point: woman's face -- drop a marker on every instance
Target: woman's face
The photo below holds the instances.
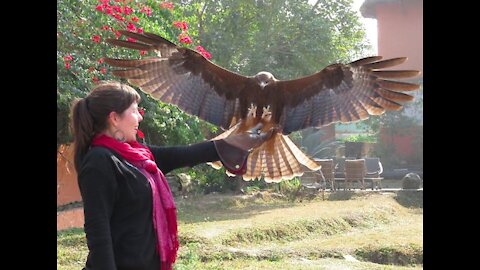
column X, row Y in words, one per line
column 128, row 121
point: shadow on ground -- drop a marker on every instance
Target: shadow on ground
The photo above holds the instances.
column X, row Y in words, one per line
column 341, row 195
column 410, row 198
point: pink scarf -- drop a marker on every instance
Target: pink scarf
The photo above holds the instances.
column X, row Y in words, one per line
column 164, row 210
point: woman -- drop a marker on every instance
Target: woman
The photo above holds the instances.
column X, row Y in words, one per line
column 130, row 215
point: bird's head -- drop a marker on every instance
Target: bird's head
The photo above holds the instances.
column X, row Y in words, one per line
column 264, row 78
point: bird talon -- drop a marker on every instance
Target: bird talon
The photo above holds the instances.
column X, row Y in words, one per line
column 266, row 111
column 252, row 111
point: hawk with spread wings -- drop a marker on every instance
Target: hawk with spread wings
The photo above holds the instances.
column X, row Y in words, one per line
column 338, row 93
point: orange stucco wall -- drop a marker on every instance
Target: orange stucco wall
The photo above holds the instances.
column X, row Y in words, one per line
column 68, row 219
column 400, row 32
column 67, row 187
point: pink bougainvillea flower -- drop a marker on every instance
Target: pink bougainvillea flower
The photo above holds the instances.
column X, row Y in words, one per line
column 166, row 5
column 99, row 8
column 108, row 10
column 95, row 79
column 203, row 52
column 142, row 53
column 103, row 70
column 131, row 27
column 206, row 55
column 181, row 25
column 67, row 65
column 118, row 17
column 134, row 19
column 96, row 39
column 139, row 30
column 117, row 9
column 131, row 40
column 106, row 27
column 146, row 10
column 101, row 60
column 127, row 10
column 184, row 39
column 67, row 58
column 118, row 34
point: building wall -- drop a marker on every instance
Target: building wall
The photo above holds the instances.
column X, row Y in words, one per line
column 400, row 32
column 329, row 133
column 407, row 145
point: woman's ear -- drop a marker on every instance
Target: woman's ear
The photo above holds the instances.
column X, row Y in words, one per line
column 113, row 118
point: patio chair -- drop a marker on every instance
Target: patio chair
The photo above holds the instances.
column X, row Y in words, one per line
column 328, row 171
column 313, row 180
column 312, row 183
column 374, row 170
column 354, row 171
column 340, row 167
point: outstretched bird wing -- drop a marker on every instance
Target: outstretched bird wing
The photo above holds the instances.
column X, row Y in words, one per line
column 183, row 77
column 338, row 93
column 344, row 93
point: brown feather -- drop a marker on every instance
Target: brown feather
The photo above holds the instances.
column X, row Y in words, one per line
column 128, row 73
column 291, row 168
column 386, row 63
column 299, row 155
column 130, row 45
column 257, row 165
column 398, row 86
column 280, row 163
column 128, row 63
column 142, row 37
column 395, row 74
column 344, row 93
column 387, row 104
column 394, row 96
column 253, row 168
column 365, row 60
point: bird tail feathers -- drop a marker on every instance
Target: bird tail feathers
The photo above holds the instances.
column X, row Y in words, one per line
column 276, row 160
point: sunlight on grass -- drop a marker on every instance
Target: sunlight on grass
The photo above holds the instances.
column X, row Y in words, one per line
column 305, row 264
column 345, row 231
column 71, row 249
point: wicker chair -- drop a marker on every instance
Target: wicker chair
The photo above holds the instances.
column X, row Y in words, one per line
column 354, row 171
column 328, row 171
column 374, row 170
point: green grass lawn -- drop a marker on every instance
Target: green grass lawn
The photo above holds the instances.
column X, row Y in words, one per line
column 347, row 230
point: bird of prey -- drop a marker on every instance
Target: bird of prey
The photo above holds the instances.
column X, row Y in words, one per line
column 338, row 93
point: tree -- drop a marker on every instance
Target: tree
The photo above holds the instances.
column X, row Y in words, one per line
column 288, row 38
column 81, row 29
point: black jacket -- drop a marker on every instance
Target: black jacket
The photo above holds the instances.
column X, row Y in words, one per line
column 117, row 201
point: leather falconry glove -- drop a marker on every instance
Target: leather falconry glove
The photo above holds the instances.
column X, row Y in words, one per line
column 234, row 149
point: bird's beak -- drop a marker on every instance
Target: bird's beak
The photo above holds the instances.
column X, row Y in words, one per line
column 263, row 84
